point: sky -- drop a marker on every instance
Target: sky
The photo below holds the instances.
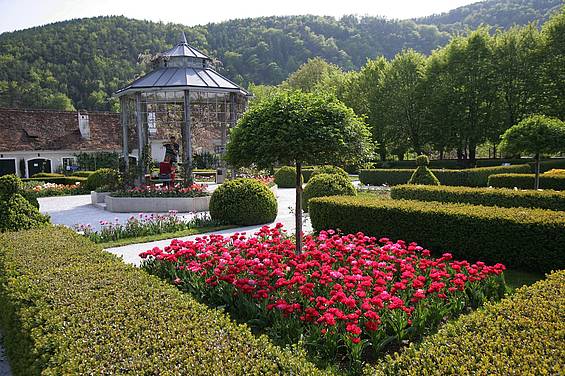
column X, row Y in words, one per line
column 22, row 14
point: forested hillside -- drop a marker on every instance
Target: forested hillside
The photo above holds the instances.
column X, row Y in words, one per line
column 496, row 13
column 80, row 63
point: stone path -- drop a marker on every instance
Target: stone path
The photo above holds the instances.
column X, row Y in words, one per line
column 71, row 210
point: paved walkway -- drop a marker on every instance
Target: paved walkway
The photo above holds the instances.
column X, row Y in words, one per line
column 71, row 210
column 4, row 365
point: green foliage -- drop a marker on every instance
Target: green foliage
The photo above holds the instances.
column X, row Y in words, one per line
column 47, row 175
column 285, row 177
column 9, row 185
column 423, row 175
column 526, row 181
column 314, row 75
column 307, row 174
column 508, row 198
column 70, row 308
column 83, row 174
column 104, row 178
column 16, row 212
column 243, row 202
column 521, row 334
column 95, row 161
column 31, row 197
column 536, row 134
column 292, row 127
column 328, row 169
column 475, row 177
column 422, row 160
column 531, row 239
column 327, row 185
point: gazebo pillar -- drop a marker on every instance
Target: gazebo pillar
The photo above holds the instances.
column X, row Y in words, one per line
column 186, row 133
column 140, row 139
column 233, row 120
column 125, row 133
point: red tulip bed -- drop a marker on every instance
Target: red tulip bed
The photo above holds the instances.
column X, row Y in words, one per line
column 346, row 298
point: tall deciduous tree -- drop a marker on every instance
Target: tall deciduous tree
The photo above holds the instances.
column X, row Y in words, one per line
column 298, row 128
column 402, row 86
column 536, row 135
column 314, row 75
column 553, row 66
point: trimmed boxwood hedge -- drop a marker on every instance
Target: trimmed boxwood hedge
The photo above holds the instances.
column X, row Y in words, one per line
column 285, row 177
column 526, row 181
column 532, row 239
column 69, row 308
column 474, row 177
column 509, row 198
column 522, row 334
column 243, row 202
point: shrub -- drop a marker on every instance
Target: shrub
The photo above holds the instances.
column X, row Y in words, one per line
column 478, row 177
column 331, row 170
column 549, row 164
column 243, row 202
column 69, row 308
column 327, row 185
column 47, row 175
column 17, row 213
column 105, row 178
column 307, row 174
column 522, row 334
column 526, row 181
column 528, row 238
column 31, row 197
column 508, row 198
column 83, row 174
column 475, row 177
column 422, row 175
column 285, row 177
column 411, row 164
column 9, row 185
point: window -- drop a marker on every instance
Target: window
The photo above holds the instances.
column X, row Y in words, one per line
column 69, row 163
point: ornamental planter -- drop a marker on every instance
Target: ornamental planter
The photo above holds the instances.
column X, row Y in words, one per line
column 156, row 204
column 98, row 197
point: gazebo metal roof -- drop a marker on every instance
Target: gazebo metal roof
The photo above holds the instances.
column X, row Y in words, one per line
column 183, row 67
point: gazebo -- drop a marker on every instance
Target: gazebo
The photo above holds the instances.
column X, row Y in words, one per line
column 183, row 91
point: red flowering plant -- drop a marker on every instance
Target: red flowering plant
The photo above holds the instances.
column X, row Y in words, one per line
column 345, row 296
column 178, row 190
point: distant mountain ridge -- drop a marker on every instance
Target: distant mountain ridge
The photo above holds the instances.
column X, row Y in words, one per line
column 80, row 63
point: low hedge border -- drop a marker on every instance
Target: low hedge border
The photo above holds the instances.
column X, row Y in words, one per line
column 474, row 177
column 531, row 239
column 67, row 307
column 508, row 198
column 526, row 181
column 522, row 334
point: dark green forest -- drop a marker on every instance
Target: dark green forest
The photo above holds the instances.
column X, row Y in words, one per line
column 80, row 63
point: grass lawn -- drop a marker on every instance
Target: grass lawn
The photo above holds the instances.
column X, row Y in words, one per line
column 166, row 235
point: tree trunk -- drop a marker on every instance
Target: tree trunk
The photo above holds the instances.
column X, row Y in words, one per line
column 472, row 154
column 298, row 207
column 536, row 184
column 441, row 154
column 494, row 151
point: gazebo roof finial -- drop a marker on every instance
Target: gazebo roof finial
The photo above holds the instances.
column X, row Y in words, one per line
column 183, row 40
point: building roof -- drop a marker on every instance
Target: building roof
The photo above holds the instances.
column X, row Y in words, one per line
column 184, row 49
column 180, row 68
column 30, row 130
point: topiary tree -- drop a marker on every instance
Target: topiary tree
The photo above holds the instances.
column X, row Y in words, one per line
column 298, row 128
column 538, row 135
column 243, row 202
column 327, row 185
column 106, row 178
column 328, row 169
column 423, row 175
column 285, row 177
column 17, row 213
